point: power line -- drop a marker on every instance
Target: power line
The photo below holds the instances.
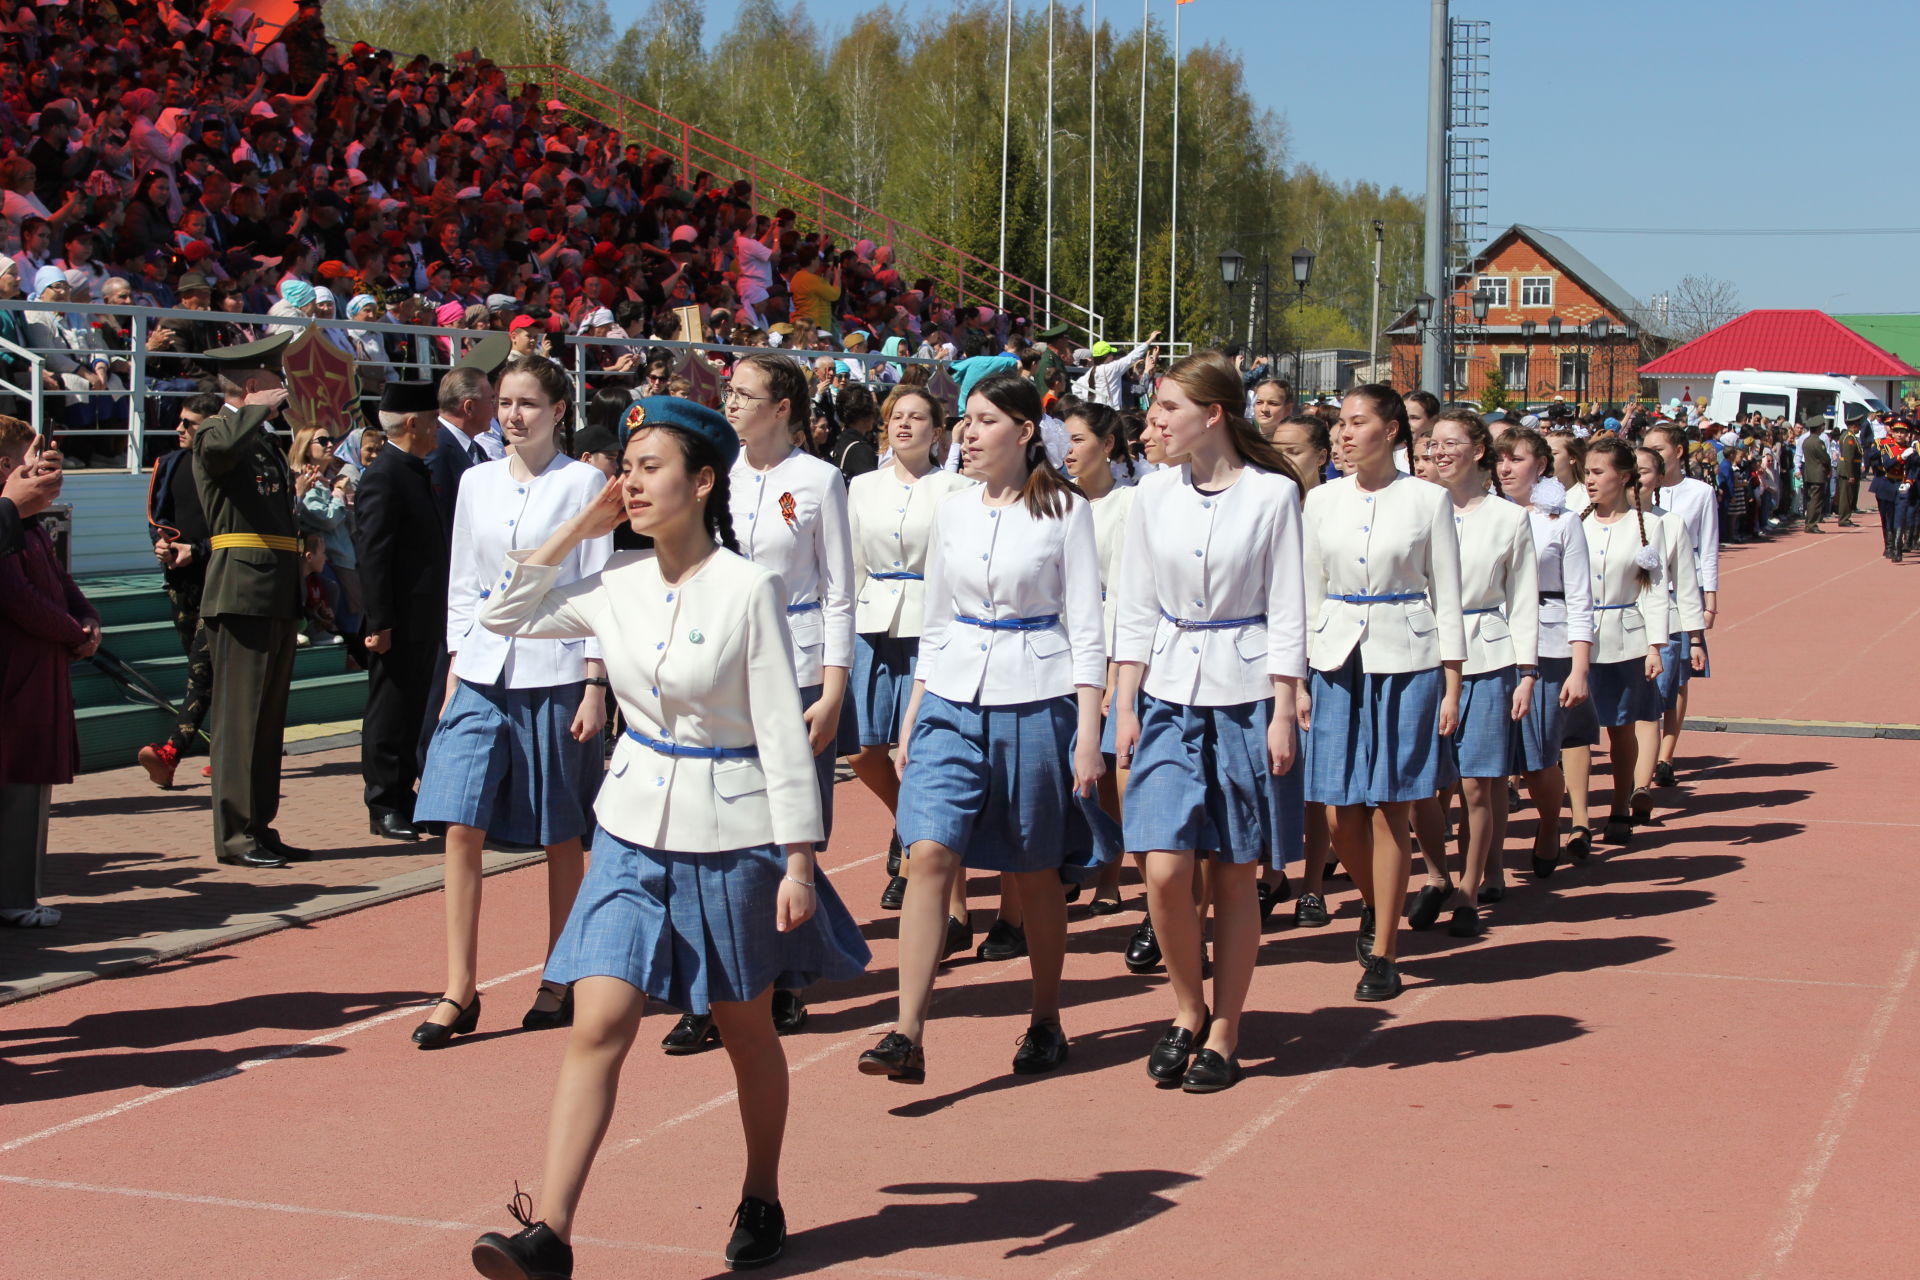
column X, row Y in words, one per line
column 1738, row 231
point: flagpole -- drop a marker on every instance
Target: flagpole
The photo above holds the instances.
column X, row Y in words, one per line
column 1006, row 120
column 1093, row 143
column 1140, row 172
column 1048, row 307
column 1173, row 206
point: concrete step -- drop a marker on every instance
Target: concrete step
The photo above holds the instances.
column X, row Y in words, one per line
column 111, row 736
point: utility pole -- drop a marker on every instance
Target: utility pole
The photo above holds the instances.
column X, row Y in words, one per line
column 1373, row 331
column 1433, row 262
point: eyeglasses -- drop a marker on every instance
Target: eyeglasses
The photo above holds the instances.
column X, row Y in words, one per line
column 737, row 396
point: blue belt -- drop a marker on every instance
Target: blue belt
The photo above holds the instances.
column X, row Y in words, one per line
column 1492, row 608
column 1398, row 597
column 808, row 607
column 1043, row 623
column 895, row 577
column 1214, row 624
column 694, row 753
column 1601, row 607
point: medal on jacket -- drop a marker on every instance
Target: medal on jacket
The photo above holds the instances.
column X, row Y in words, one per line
column 787, row 510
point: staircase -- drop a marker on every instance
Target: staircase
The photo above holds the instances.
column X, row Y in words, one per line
column 138, row 629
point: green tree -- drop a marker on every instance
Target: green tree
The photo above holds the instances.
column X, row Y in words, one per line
column 1494, row 393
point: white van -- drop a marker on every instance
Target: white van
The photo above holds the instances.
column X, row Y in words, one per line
column 1792, row 396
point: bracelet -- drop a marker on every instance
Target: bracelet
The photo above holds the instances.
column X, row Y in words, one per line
column 599, row 682
column 804, row 884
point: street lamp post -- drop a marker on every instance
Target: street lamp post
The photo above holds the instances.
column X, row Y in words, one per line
column 1232, row 264
column 1600, row 330
column 1632, row 335
column 1302, row 273
column 1423, row 311
column 1527, row 329
column 1482, row 303
column 1553, row 347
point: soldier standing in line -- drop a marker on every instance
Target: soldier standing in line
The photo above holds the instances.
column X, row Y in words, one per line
column 251, row 602
column 1847, row 494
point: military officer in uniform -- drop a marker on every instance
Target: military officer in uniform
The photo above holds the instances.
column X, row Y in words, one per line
column 251, row 601
column 1847, row 491
column 1816, row 466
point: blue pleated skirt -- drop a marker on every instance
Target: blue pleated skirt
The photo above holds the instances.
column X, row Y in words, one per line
column 995, row 784
column 1375, row 738
column 846, row 742
column 1487, row 744
column 1201, row 781
column 1673, row 670
column 1109, row 729
column 882, row 682
column 1622, row 693
column 503, row 760
column 692, row 929
column 1544, row 729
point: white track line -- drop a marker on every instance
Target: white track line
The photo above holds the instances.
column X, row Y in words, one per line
column 1238, row 1141
column 1827, row 1141
column 227, row 1073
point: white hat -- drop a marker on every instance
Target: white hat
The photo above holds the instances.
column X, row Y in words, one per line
column 264, row 110
column 595, row 318
column 685, row 233
column 355, row 178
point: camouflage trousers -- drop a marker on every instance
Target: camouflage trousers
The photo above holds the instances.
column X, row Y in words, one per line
column 188, row 737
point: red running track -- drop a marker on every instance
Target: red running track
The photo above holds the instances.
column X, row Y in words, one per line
column 1695, row 1059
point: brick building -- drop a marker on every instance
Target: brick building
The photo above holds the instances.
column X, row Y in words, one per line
column 1536, row 284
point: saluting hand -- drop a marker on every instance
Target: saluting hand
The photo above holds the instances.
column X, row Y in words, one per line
column 270, row 400
column 607, row 511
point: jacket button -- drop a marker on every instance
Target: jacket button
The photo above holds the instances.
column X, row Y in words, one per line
column 983, row 647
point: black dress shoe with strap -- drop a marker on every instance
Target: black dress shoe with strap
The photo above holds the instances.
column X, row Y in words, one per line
column 693, row 1033
column 1579, row 844
column 538, row 1019
column 1211, row 1072
column 1003, row 942
column 759, row 1234
column 1310, row 912
column 894, row 896
column 532, row 1253
column 1168, row 1061
column 897, row 1058
column 1426, row 907
column 1143, row 949
column 959, row 936
column 1042, row 1049
column 435, row 1035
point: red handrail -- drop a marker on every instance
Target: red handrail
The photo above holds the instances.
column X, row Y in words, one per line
column 975, row 280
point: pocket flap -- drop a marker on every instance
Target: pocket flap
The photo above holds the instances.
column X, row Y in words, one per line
column 735, row 778
column 1045, row 644
column 1493, row 627
column 809, row 629
column 1631, row 620
column 1553, row 611
column 1251, row 643
column 1421, row 620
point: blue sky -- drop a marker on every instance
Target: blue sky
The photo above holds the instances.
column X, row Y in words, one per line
column 1702, row 114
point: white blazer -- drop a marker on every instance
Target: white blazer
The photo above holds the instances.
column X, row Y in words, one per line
column 1197, row 557
column 792, row 519
column 891, row 522
column 1686, row 606
column 1629, row 617
column 496, row 514
column 1110, row 535
column 1003, row 563
column 704, row 664
column 1399, row 540
column 1698, row 507
column 1499, row 586
column 1560, row 554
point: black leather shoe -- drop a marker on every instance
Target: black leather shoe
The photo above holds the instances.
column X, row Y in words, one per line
column 959, row 936
column 1640, row 804
column 1426, row 906
column 894, row 895
column 1494, row 888
column 693, row 1033
column 1381, row 981
column 1363, row 941
column 897, row 1058
column 538, row 1019
column 1543, row 868
column 1003, row 942
column 391, row 826
column 273, row 844
column 1168, row 1061
column 1210, row 1073
column 532, row 1253
column 1100, row 906
column 1465, row 923
column 759, row 1235
column 1272, row 895
column 254, row 857
column 1618, row 831
column 1579, row 844
column 1041, row 1050
column 789, row 1012
column 1143, row 949
column 1663, row 773
column 893, row 855
column 436, row 1035
column 1310, row 912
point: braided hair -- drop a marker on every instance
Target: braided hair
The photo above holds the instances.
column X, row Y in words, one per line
column 1620, row 454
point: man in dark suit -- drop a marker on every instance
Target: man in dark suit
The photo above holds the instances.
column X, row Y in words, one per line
column 467, row 403
column 1816, row 467
column 402, row 550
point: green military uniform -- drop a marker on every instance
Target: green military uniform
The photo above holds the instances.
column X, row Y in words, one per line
column 251, row 607
column 1049, row 361
column 1816, row 467
column 1847, row 488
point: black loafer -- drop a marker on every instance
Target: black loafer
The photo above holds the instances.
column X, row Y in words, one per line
column 1003, row 942
column 538, row 1019
column 1465, row 923
column 1210, row 1073
column 532, row 1253
column 959, row 936
column 789, row 1012
column 1272, row 895
column 435, row 1035
column 1042, row 1049
column 1426, row 906
column 1363, row 941
column 894, row 895
column 893, row 855
column 1100, row 906
column 391, row 826
column 759, row 1235
column 897, row 1058
column 254, row 857
column 1381, row 981
column 1579, row 844
column 1618, row 831
column 1640, row 804
column 693, row 1033
column 1494, row 890
column 1543, row 868
column 1143, row 949
column 1168, row 1061
column 1310, row 912
column 1663, row 773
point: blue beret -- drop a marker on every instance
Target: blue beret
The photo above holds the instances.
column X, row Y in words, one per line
column 686, row 415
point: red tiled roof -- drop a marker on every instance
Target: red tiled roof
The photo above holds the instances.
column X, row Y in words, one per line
column 1783, row 342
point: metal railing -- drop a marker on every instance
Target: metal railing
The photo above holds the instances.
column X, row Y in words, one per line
column 974, row 280
column 140, row 390
column 35, row 365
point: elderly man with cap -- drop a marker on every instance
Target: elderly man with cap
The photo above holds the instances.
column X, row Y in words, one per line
column 1103, row 379
column 252, row 599
column 402, row 548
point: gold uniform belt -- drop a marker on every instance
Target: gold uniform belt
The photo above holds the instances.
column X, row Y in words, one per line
column 257, row 541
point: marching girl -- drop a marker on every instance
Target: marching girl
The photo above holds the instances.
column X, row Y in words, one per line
column 1305, row 442
column 1500, row 603
column 1696, row 505
column 1624, row 549
column 890, row 513
column 1096, row 451
column 1002, row 732
column 789, row 511
column 1386, row 644
column 1566, row 628
column 516, row 753
column 1211, row 608
column 1686, row 648
column 703, row 891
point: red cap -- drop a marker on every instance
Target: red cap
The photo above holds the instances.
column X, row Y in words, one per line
column 521, row 322
column 537, row 236
column 196, row 250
